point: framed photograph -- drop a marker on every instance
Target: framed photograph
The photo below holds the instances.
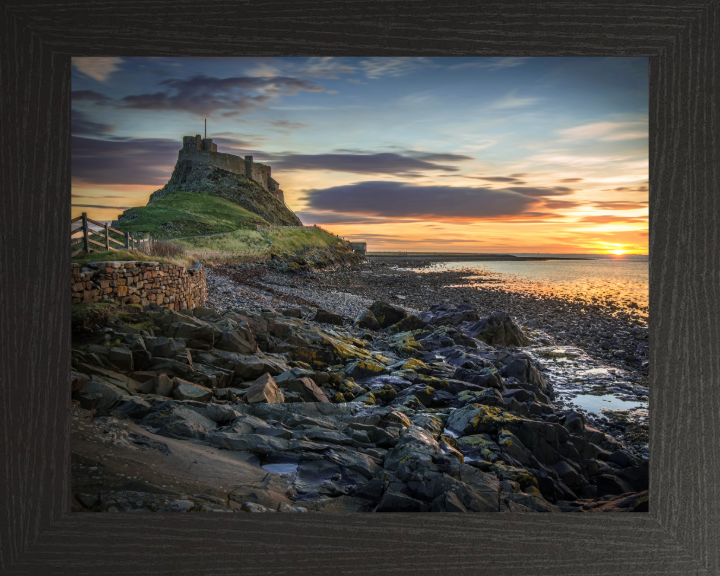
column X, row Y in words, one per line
column 392, row 309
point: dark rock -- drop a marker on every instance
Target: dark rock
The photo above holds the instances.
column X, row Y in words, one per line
column 307, row 388
column 574, row 423
column 87, row 500
column 567, row 473
column 498, row 329
column 410, row 322
column 366, row 319
column 609, row 484
column 78, row 381
column 325, row 317
column 524, row 370
column 373, row 490
column 134, row 407
column 88, row 401
column 398, row 502
column 387, row 314
column 179, row 422
column 444, row 314
column 622, row 458
column 292, row 312
column 122, row 358
column 162, row 385
column 487, row 377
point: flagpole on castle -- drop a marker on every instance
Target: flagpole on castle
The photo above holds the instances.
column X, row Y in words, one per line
column 205, row 128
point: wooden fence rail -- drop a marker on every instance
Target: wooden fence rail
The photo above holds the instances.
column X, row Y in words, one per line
column 102, row 238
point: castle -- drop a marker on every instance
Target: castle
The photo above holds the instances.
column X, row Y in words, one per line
column 203, row 150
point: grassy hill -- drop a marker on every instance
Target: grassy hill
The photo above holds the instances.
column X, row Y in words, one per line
column 279, row 243
column 187, row 214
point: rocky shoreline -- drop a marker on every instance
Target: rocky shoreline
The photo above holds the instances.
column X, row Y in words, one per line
column 365, row 388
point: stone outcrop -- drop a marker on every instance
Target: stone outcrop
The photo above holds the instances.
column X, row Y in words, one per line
column 316, row 418
column 169, row 285
column 224, row 175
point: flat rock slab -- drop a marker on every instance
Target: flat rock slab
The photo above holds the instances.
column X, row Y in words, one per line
column 138, row 460
column 185, row 390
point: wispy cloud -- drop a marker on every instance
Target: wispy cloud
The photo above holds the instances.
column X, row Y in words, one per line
column 512, row 101
column 204, row 95
column 81, row 125
column 570, row 160
column 605, row 131
column 131, row 161
column 97, row 68
column 379, row 67
column 382, row 163
column 492, row 63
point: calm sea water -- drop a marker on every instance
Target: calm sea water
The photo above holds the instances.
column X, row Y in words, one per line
column 621, row 279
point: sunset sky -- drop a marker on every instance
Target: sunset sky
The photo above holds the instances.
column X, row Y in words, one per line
column 417, row 154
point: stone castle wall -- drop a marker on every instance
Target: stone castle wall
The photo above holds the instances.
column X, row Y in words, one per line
column 260, row 173
column 168, row 285
column 228, row 162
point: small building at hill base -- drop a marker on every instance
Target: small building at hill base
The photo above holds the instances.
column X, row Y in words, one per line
column 359, row 247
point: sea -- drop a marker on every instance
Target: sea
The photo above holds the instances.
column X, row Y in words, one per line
column 620, row 280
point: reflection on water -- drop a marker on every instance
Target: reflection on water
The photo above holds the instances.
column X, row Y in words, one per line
column 595, row 404
column 618, row 280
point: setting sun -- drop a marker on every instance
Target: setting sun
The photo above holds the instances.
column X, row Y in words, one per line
column 617, row 252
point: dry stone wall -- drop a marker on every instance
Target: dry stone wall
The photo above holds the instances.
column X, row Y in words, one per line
column 168, row 285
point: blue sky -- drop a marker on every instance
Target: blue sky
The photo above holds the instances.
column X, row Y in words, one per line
column 467, row 154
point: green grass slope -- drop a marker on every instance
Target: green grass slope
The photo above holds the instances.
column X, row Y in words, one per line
column 187, row 214
column 282, row 242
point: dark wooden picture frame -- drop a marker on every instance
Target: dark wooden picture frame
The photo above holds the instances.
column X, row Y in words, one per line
column 680, row 535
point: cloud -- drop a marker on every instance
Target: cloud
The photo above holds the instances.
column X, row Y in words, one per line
column 98, row 206
column 326, row 67
column 568, row 180
column 538, row 192
column 560, row 204
column 620, row 205
column 438, row 157
column 146, row 161
column 97, row 68
column 627, row 189
column 495, row 178
column 379, row 67
column 204, row 95
column 381, row 163
column 81, row 125
column 512, row 101
column 492, row 63
column 286, row 125
column 614, row 219
column 310, row 218
column 401, row 200
column 606, row 131
column 89, row 96
column 569, row 160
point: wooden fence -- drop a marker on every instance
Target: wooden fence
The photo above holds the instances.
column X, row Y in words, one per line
column 103, row 240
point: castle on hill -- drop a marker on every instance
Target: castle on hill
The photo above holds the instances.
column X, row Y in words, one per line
column 200, row 150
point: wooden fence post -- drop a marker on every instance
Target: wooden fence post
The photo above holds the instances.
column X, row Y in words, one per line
column 85, row 232
column 127, row 240
column 107, row 238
